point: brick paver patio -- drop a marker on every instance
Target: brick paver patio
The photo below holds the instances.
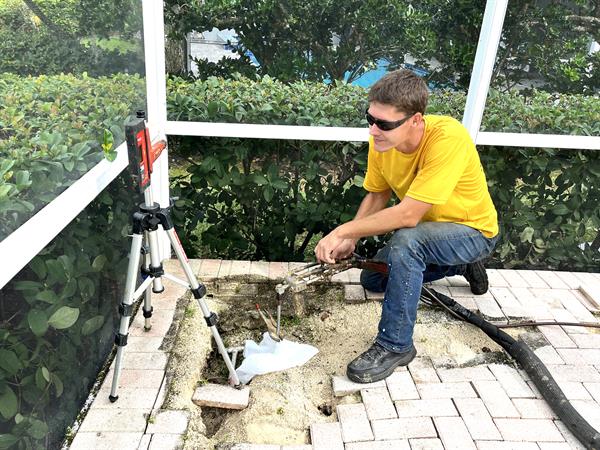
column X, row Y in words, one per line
column 490, row 406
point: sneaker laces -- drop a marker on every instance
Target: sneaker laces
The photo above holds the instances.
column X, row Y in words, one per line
column 374, row 352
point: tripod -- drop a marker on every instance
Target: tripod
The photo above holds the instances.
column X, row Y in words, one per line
column 146, row 223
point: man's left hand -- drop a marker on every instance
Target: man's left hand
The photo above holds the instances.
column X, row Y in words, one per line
column 332, row 247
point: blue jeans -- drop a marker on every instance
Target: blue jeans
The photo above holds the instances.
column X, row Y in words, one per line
column 428, row 252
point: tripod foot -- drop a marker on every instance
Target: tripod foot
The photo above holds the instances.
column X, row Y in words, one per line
column 113, row 398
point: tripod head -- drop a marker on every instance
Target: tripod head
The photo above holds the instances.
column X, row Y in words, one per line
column 142, row 153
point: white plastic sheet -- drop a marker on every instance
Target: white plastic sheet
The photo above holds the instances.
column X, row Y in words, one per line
column 271, row 356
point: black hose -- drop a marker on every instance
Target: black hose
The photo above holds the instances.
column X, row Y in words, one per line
column 534, row 367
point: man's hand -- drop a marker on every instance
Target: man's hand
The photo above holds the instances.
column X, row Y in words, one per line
column 332, row 247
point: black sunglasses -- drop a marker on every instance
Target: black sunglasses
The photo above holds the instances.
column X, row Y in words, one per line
column 384, row 125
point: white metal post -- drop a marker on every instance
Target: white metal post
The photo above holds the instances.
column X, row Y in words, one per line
column 156, row 97
column 483, row 67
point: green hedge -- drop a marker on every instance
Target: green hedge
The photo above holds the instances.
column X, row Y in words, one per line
column 51, row 132
column 57, row 316
column 268, row 198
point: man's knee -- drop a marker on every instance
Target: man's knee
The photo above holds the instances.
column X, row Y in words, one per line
column 373, row 281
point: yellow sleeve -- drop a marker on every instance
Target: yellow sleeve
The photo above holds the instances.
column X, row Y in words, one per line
column 374, row 181
column 444, row 163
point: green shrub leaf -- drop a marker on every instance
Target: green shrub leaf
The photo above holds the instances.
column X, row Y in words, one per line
column 92, row 325
column 38, row 321
column 10, row 362
column 64, row 317
column 8, row 403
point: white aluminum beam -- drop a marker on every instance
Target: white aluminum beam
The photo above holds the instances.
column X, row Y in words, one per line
column 29, row 239
column 538, row 140
column 240, row 130
column 156, row 98
column 483, row 67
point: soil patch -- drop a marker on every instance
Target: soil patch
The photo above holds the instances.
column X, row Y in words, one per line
column 283, row 405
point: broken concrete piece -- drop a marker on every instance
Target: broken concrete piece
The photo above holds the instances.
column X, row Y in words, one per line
column 219, row 396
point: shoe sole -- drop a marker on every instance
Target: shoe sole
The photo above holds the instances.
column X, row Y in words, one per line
column 368, row 378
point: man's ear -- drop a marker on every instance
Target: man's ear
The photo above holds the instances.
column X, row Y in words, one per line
column 417, row 118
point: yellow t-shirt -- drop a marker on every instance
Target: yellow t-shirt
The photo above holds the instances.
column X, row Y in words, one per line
column 445, row 171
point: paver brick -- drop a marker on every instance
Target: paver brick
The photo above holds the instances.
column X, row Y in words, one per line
column 590, row 410
column 489, row 308
column 129, row 398
column 461, row 291
column 422, row 371
column 238, row 268
column 574, row 390
column 343, row 386
column 574, row 306
column 514, row 278
column 220, row 396
column 106, row 440
column 209, row 269
column 371, row 295
column 406, row 428
column 278, row 270
column 579, row 356
column 495, row 398
column 562, row 315
column 477, row 419
column 144, row 442
column 326, row 436
column 548, row 355
column 453, row 433
column 557, row 337
column 135, row 378
column 378, row 403
column 401, row 386
column 224, row 268
column 496, row 279
column 511, row 381
column 426, row 408
column 354, row 275
column 161, row 441
column 532, row 278
column 585, row 301
column 506, row 445
column 552, row 279
column 588, row 340
column 426, row 444
column 259, row 268
column 554, row 446
column 533, row 408
column 101, row 419
column 508, row 302
column 592, row 293
column 446, row 390
column 354, row 293
column 354, row 423
column 569, row 279
column 297, row 447
column 594, row 390
column 142, row 344
column 532, row 305
column 529, row 430
column 571, row 440
column 160, row 323
column 168, row 421
column 547, row 297
column 563, row 372
column 465, row 374
column 457, row 281
column 395, row 444
column 257, row 447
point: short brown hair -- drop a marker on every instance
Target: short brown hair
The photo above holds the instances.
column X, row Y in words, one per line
column 402, row 89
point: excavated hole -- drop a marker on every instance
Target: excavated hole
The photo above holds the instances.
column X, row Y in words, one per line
column 284, row 404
